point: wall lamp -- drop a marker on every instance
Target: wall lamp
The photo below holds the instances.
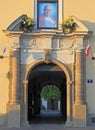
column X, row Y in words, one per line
column 93, row 56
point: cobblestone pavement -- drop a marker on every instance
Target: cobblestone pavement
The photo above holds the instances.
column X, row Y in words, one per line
column 48, row 127
column 46, row 122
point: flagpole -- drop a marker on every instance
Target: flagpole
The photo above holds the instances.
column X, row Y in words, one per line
column 4, row 50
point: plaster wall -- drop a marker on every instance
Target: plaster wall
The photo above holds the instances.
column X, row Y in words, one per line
column 3, row 89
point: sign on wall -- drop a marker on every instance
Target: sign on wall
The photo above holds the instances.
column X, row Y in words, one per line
column 89, row 80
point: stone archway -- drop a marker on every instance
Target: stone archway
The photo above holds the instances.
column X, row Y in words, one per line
column 75, row 92
column 66, row 71
column 40, row 75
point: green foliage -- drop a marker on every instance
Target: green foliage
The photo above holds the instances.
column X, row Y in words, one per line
column 69, row 23
column 27, row 24
column 50, row 91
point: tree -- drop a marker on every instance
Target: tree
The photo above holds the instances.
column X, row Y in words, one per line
column 50, row 92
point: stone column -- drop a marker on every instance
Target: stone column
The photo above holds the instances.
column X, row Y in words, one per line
column 69, row 103
column 13, row 106
column 80, row 90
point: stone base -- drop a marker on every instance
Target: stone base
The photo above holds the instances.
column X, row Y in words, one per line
column 69, row 124
column 25, row 124
column 13, row 116
column 80, row 115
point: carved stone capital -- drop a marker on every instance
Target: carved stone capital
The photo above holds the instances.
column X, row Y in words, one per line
column 71, row 82
column 25, row 82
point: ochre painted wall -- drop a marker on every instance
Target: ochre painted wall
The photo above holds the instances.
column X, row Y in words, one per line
column 9, row 11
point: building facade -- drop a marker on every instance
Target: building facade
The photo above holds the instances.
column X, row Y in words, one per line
column 44, row 56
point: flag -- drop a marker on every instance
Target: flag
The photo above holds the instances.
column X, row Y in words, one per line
column 4, row 49
column 87, row 50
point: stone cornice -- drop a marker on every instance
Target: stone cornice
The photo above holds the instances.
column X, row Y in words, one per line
column 49, row 33
column 13, row 33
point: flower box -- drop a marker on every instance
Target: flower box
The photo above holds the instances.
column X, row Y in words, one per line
column 27, row 24
column 68, row 25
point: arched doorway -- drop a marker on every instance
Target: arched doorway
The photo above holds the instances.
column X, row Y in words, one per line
column 40, row 76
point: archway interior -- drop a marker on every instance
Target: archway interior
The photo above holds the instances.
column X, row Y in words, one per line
column 47, row 78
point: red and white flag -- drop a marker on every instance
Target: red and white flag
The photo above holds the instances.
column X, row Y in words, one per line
column 87, row 50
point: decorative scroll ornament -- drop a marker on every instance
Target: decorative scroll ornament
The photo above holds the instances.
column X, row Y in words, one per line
column 26, row 43
column 32, row 43
column 66, row 43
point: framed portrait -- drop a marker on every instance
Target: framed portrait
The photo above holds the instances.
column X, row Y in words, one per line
column 47, row 14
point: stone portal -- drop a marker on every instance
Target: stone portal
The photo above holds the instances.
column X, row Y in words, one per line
column 31, row 57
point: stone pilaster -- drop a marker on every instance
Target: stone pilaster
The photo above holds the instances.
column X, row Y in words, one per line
column 80, row 110
column 14, row 83
column 80, row 84
column 13, row 106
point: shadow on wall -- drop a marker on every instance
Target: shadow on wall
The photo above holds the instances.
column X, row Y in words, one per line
column 89, row 25
column 90, row 40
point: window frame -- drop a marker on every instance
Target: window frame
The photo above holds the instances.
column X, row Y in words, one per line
column 47, row 2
